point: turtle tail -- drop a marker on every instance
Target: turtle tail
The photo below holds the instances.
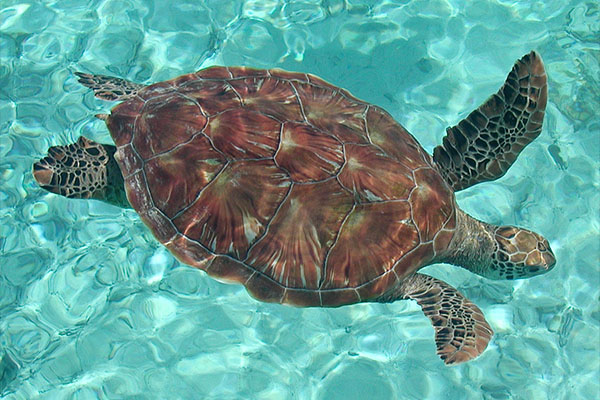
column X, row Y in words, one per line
column 82, row 170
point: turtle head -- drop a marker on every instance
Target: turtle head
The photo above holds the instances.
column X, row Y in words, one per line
column 519, row 253
column 498, row 252
column 82, row 170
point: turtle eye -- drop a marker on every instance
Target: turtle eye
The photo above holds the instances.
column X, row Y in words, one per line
column 542, row 247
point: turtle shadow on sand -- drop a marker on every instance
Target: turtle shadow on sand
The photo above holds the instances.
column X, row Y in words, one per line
column 307, row 195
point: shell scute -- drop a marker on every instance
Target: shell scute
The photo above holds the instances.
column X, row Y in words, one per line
column 373, row 176
column 308, row 154
column 166, row 122
column 235, row 207
column 129, row 159
column 393, row 138
column 432, row 203
column 216, row 72
column 264, row 288
column 161, row 226
column 242, row 72
column 294, row 248
column 410, row 262
column 380, row 284
column 334, row 298
column 268, row 95
column 190, row 252
column 121, row 121
column 156, row 90
column 331, row 112
column 242, row 134
column 229, row 270
column 387, row 234
column 176, row 177
column 137, row 191
column 288, row 75
column 301, row 297
column 141, row 200
column 182, row 80
column 213, row 96
column 443, row 238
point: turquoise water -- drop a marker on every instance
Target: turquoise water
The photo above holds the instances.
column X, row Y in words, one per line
column 92, row 307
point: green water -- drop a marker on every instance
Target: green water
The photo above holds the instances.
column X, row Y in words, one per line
column 92, row 307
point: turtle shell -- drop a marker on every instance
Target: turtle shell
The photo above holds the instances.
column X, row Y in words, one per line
column 282, row 182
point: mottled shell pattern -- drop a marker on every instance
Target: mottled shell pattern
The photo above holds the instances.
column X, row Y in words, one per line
column 281, row 182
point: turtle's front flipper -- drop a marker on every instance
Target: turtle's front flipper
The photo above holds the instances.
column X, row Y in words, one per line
column 109, row 87
column 82, row 170
column 485, row 144
column 461, row 331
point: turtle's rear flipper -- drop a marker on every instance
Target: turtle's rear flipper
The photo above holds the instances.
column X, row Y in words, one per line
column 485, row 144
column 109, row 87
column 461, row 331
column 82, row 170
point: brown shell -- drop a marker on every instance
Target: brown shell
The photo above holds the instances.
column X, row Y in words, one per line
column 282, row 182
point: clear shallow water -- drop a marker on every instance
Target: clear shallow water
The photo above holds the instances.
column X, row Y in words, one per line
column 92, row 307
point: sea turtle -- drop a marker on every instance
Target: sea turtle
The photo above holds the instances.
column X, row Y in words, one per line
column 307, row 195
